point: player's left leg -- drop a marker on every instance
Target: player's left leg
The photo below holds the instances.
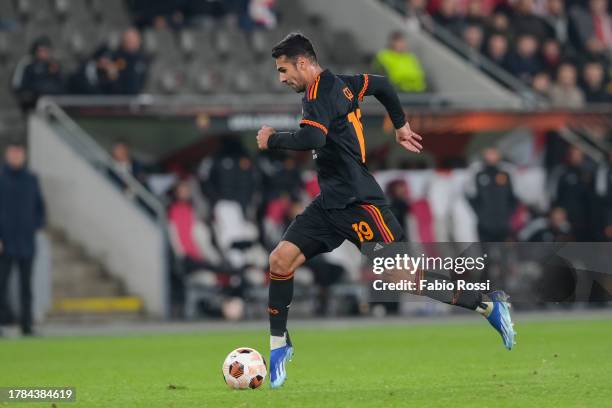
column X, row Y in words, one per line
column 370, row 223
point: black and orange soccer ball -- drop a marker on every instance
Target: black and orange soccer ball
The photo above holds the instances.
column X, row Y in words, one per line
column 244, row 368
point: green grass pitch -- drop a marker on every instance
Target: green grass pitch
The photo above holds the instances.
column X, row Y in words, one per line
column 555, row 364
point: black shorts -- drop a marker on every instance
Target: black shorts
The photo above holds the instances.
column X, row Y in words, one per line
column 318, row 230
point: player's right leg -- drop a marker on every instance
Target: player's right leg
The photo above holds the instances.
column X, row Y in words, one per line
column 285, row 258
column 309, row 234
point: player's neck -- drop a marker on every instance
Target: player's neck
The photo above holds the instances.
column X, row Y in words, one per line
column 314, row 74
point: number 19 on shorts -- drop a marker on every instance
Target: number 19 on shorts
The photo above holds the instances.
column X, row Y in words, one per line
column 363, row 230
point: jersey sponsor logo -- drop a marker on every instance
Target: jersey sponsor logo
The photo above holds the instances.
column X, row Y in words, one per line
column 347, row 92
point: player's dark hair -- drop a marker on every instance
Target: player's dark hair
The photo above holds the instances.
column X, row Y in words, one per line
column 294, row 45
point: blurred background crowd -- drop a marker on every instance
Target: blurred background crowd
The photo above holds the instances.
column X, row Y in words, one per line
column 225, row 206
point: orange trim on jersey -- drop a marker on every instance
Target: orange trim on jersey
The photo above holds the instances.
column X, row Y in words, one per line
column 382, row 220
column 366, row 81
column 375, row 218
column 311, row 93
column 316, row 88
column 315, row 124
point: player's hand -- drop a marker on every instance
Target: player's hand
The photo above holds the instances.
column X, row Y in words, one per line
column 263, row 135
column 408, row 139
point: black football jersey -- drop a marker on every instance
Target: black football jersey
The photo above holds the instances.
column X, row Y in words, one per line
column 331, row 104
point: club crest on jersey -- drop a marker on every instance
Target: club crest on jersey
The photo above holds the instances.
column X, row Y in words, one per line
column 347, row 92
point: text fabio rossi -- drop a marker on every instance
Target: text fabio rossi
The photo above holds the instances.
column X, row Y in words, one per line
column 435, row 285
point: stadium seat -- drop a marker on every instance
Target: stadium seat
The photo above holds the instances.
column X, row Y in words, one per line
column 111, row 12
column 79, row 39
column 72, row 9
column 156, row 41
column 243, row 81
column 7, row 10
column 62, row 8
column 206, row 80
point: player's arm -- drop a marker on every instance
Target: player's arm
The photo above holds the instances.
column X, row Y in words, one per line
column 307, row 138
column 317, row 112
column 380, row 87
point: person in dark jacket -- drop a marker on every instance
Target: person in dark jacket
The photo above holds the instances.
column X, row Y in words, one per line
column 230, row 175
column 22, row 213
column 571, row 187
column 492, row 197
column 131, row 63
column 96, row 75
column 37, row 74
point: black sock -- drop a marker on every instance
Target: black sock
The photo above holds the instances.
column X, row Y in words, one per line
column 279, row 298
column 466, row 299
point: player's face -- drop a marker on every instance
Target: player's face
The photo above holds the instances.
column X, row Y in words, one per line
column 291, row 73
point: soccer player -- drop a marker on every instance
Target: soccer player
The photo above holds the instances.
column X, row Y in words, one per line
column 351, row 204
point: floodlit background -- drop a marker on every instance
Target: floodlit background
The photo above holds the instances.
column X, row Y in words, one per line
column 139, row 120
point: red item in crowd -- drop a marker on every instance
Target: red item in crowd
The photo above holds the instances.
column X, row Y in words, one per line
column 312, row 187
column 182, row 216
column 277, row 210
column 421, row 212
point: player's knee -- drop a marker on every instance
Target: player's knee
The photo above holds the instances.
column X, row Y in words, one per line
column 279, row 264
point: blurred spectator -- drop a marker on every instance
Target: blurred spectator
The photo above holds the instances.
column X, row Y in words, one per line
column 553, row 228
column 263, row 13
column 551, row 55
column 491, row 195
column 397, row 192
column 541, row 83
column 131, row 64
column 497, row 49
column 22, row 213
column 159, row 14
column 230, row 174
column 526, row 22
column 280, row 175
column 475, row 14
column 593, row 83
column 125, row 165
column 571, row 188
column 524, row 62
column 415, row 10
column 604, row 191
column 189, row 237
column 400, row 65
column 593, row 27
column 193, row 250
column 95, row 76
column 473, row 37
column 500, row 22
column 565, row 93
column 37, row 74
column 447, row 15
column 557, row 20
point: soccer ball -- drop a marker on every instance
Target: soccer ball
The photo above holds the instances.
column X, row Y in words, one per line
column 244, row 368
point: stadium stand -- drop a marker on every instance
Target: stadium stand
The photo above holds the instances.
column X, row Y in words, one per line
column 221, row 53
